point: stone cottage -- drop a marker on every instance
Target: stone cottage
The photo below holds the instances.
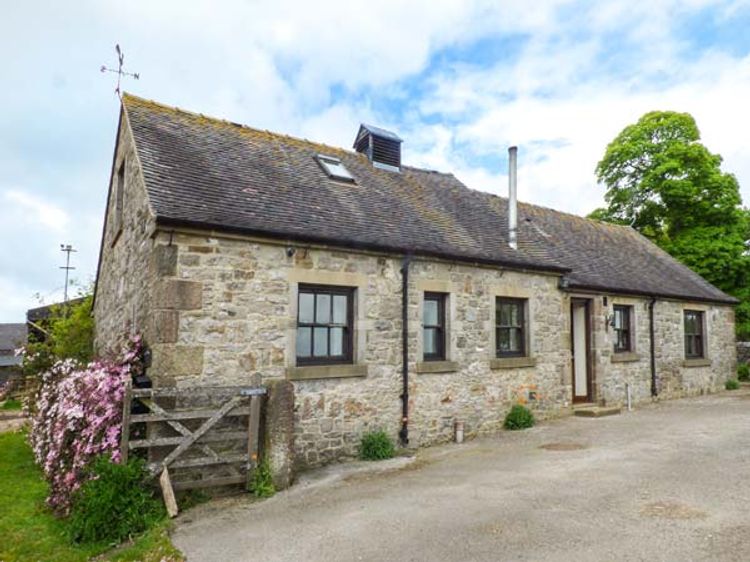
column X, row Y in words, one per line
column 392, row 297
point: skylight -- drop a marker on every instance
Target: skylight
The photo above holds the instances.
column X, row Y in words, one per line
column 334, row 168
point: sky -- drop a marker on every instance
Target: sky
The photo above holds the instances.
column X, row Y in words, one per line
column 458, row 80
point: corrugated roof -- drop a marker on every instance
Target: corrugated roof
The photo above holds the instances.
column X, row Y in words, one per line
column 211, row 173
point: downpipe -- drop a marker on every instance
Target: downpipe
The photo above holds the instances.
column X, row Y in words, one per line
column 652, row 302
column 403, row 434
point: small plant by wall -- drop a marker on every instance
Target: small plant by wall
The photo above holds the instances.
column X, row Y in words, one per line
column 261, row 483
column 743, row 372
column 519, row 417
column 376, row 446
column 732, row 384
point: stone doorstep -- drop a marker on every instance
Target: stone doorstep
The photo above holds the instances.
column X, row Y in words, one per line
column 596, row 411
column 10, row 415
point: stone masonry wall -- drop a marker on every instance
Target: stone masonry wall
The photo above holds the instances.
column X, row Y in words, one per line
column 223, row 309
column 675, row 376
column 244, row 323
column 123, row 296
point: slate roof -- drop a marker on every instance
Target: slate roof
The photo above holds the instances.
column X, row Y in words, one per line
column 12, row 336
column 209, row 173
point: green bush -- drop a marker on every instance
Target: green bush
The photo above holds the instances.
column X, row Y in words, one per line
column 743, row 372
column 376, row 446
column 732, row 384
column 519, row 417
column 261, row 483
column 114, row 505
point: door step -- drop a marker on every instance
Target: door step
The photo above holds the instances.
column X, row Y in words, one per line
column 597, row 411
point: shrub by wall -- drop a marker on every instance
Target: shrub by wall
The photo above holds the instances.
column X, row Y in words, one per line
column 76, row 417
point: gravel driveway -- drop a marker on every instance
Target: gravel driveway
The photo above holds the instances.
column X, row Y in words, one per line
column 666, row 482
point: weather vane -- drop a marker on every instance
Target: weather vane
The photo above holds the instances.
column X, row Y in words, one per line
column 120, row 72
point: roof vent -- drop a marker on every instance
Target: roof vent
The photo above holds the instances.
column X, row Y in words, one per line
column 382, row 147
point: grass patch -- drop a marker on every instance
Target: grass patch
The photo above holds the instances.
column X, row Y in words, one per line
column 11, row 404
column 29, row 531
column 743, row 372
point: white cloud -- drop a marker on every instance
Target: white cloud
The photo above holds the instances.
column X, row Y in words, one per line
column 36, row 211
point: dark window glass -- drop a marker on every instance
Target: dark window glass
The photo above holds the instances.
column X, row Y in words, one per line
column 324, row 325
column 433, row 326
column 119, row 198
column 510, row 327
column 623, row 330
column 694, row 339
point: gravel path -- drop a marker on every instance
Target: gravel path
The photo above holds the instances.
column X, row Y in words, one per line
column 661, row 483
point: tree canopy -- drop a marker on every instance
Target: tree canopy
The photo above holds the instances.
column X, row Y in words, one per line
column 665, row 183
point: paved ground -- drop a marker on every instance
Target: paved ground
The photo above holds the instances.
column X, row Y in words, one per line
column 662, row 483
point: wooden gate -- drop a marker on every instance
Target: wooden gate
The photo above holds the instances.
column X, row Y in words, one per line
column 213, row 432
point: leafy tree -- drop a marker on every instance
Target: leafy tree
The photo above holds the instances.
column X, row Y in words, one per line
column 68, row 334
column 666, row 184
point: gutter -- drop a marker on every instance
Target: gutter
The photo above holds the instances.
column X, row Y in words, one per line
column 651, row 304
column 573, row 288
column 355, row 245
column 403, row 434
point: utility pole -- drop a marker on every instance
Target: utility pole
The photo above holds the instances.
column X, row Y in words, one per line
column 68, row 249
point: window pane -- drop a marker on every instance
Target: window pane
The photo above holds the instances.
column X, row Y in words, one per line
column 320, row 342
column 503, row 340
column 699, row 345
column 306, row 302
column 514, row 316
column 323, row 309
column 430, row 315
column 504, row 314
column 618, row 319
column 337, row 341
column 430, row 341
column 514, row 340
column 303, row 342
column 339, row 309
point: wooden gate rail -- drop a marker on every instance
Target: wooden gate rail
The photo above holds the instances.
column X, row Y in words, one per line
column 237, row 402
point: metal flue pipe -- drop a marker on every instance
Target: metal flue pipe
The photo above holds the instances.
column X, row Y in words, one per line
column 513, row 197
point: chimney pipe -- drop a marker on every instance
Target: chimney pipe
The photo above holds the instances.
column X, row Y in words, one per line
column 513, row 197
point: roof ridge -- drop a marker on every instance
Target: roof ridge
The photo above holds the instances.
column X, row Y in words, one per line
column 227, row 122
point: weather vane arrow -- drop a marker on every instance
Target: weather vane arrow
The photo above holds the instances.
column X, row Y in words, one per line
column 120, row 71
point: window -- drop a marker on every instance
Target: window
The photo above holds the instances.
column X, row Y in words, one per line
column 433, row 326
column 324, row 325
column 622, row 326
column 510, row 327
column 334, row 168
column 694, row 341
column 119, row 197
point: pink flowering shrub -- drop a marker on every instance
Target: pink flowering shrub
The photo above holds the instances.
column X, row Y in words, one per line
column 77, row 416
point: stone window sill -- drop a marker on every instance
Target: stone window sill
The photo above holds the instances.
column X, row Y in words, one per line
column 702, row 362
column 625, row 357
column 437, row 367
column 512, row 362
column 316, row 372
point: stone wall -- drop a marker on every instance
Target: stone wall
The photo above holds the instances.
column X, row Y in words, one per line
column 675, row 376
column 244, row 323
column 123, row 295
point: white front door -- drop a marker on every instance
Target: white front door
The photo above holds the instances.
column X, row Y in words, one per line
column 580, row 337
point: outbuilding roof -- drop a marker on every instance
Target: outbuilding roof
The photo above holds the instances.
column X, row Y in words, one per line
column 209, row 173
